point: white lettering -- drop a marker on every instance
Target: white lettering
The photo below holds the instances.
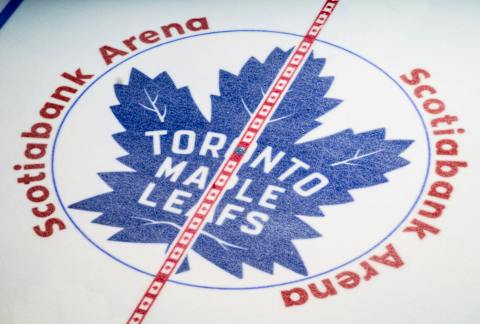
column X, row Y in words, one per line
column 297, row 164
column 199, row 177
column 257, row 221
column 269, row 195
column 157, row 147
column 173, row 201
column 299, row 186
column 241, row 193
column 266, row 156
column 213, row 148
column 177, row 142
column 168, row 170
column 227, row 213
column 146, row 194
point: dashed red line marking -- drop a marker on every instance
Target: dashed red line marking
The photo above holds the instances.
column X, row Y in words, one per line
column 212, row 196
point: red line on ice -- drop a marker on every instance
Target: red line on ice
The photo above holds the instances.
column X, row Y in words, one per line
column 211, row 197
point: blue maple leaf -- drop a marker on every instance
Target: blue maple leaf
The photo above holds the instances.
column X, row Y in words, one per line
column 293, row 178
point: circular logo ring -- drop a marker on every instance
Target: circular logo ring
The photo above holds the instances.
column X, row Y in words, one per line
column 389, row 234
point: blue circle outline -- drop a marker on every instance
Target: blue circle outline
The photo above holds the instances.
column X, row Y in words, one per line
column 236, row 31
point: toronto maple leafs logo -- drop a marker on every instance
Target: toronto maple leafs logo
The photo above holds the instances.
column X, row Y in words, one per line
column 174, row 151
